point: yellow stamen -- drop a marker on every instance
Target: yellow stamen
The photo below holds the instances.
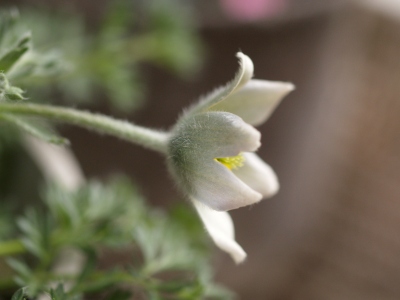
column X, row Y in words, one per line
column 232, row 162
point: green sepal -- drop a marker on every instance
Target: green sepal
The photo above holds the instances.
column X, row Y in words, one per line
column 14, row 94
column 9, row 58
column 9, row 92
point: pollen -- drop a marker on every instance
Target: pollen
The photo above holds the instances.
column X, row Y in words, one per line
column 232, row 162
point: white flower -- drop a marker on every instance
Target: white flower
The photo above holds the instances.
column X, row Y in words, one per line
column 211, row 152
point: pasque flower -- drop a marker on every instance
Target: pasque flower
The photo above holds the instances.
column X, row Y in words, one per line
column 211, row 152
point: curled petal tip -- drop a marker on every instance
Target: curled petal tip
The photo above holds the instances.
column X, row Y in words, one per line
column 247, row 68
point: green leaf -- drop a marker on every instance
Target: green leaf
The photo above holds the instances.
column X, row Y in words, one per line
column 10, row 57
column 58, row 293
column 34, row 128
column 182, row 287
column 19, row 295
column 90, row 266
column 169, row 261
column 20, row 267
column 36, row 228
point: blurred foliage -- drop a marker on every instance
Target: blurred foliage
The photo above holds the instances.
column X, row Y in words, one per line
column 168, row 255
column 85, row 64
column 15, row 47
column 6, row 222
column 18, row 59
column 67, row 61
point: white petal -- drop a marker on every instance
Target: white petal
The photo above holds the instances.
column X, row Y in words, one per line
column 246, row 70
column 258, row 175
column 193, row 147
column 220, row 227
column 243, row 75
column 217, row 187
column 256, row 101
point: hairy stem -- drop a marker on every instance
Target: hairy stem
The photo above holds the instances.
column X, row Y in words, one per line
column 148, row 138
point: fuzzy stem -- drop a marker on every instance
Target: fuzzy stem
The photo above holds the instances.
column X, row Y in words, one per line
column 148, row 138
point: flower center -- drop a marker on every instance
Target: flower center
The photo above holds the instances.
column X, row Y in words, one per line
column 232, row 162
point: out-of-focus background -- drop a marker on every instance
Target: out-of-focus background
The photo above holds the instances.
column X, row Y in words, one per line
column 333, row 231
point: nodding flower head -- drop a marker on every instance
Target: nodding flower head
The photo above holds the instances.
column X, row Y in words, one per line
column 211, row 152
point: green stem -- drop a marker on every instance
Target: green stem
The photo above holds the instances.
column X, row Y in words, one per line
column 148, row 138
column 11, row 248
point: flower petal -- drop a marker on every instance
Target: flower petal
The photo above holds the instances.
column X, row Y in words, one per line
column 195, row 144
column 258, row 175
column 243, row 75
column 256, row 101
column 220, row 227
column 216, row 186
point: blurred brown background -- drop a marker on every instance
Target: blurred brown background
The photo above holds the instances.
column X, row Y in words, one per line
column 333, row 231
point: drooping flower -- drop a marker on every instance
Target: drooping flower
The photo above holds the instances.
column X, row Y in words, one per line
column 211, row 152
